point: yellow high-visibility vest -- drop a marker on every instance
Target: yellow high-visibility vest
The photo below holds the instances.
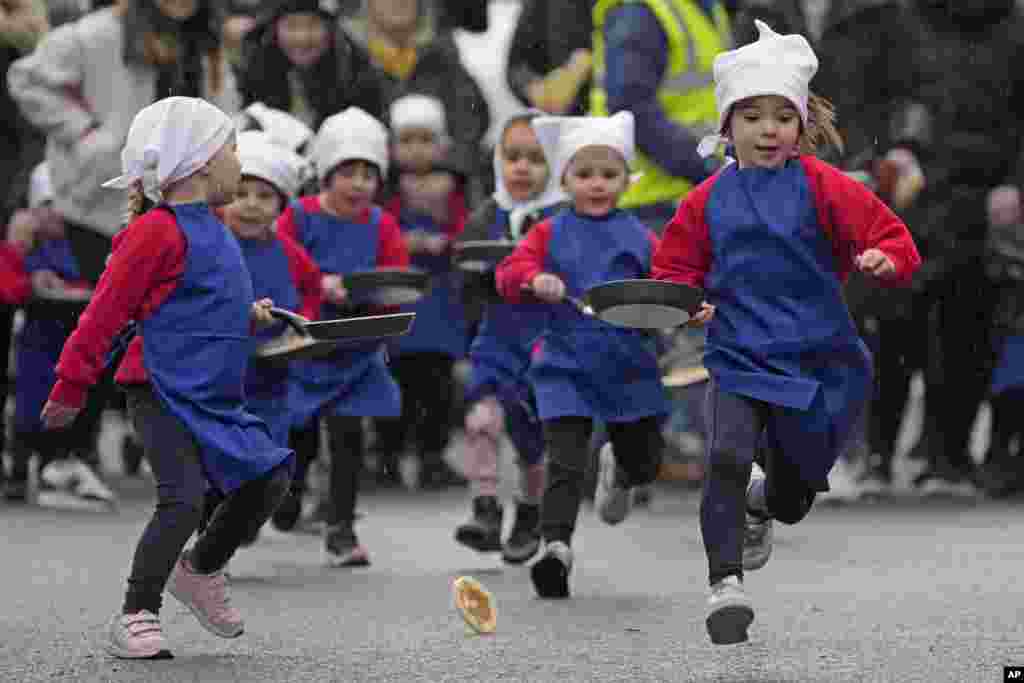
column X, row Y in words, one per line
column 687, row 91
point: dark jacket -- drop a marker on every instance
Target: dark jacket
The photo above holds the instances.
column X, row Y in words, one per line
column 546, row 35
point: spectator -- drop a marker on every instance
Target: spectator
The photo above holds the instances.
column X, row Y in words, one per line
column 298, row 61
column 404, row 42
column 549, row 59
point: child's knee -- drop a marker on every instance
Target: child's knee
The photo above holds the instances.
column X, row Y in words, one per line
column 791, row 509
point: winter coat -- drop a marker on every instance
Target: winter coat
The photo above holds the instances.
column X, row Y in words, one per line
column 545, row 37
column 78, row 79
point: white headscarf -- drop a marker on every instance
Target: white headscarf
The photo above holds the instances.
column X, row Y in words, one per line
column 563, row 136
column 40, row 187
column 772, row 65
column 518, row 210
column 351, row 134
column 170, row 140
column 285, row 129
column 418, row 111
column 262, row 158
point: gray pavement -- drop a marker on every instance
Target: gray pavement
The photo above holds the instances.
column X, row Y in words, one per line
column 907, row 590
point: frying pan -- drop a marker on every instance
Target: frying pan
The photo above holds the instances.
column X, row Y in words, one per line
column 308, row 340
column 480, row 255
column 387, row 286
column 61, row 302
column 639, row 304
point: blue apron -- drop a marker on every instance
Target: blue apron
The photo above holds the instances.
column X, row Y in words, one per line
column 440, row 318
column 354, row 380
column 1009, row 372
column 500, row 357
column 782, row 333
column 41, row 340
column 587, row 367
column 196, row 349
column 268, row 387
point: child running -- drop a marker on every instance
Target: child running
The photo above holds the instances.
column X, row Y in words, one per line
column 587, row 369
column 772, row 238
column 498, row 393
column 343, row 231
column 179, row 273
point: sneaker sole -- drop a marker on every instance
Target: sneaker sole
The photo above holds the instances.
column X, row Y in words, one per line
column 203, row 621
column 520, row 555
column 115, row 651
column 477, row 541
column 728, row 625
column 550, row 578
column 343, row 561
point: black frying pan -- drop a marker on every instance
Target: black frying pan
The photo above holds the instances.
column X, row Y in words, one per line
column 387, row 286
column 481, row 255
column 639, row 304
column 311, row 340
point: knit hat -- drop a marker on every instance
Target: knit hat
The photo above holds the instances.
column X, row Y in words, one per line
column 262, row 158
column 170, row 140
column 351, row 134
column 772, row 65
column 563, row 136
column 40, row 187
column 418, row 111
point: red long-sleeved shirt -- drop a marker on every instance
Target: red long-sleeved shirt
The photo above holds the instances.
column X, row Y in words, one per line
column 458, row 214
column 854, row 218
column 146, row 264
column 15, row 284
column 527, row 261
column 391, row 250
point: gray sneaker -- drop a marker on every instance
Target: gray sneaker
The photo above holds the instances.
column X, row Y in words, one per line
column 757, row 536
column 342, row 549
column 730, row 612
column 612, row 499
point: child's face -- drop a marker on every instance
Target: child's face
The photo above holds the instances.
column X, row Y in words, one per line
column 765, row 131
column 256, row 205
column 523, row 166
column 352, row 186
column 224, row 171
column 416, row 149
column 303, row 37
column 400, row 15
column 595, row 179
column 179, row 10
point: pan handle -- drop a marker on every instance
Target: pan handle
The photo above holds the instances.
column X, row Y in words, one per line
column 578, row 304
column 294, row 320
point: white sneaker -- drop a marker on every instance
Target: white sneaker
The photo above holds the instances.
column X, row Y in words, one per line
column 612, row 500
column 730, row 612
column 88, row 484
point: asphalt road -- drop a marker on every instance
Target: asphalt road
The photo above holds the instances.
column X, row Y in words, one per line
column 907, row 590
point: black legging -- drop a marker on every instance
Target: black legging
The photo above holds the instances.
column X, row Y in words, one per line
column 346, row 446
column 428, row 390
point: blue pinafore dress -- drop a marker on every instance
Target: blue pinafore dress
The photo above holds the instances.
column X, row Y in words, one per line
column 41, row 340
column 440, row 318
column 196, row 349
column 268, row 386
column 782, row 333
column 587, row 367
column 500, row 357
column 355, row 380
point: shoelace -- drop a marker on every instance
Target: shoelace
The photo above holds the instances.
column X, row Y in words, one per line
column 143, row 625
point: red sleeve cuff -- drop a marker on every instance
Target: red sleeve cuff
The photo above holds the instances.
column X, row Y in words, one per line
column 69, row 394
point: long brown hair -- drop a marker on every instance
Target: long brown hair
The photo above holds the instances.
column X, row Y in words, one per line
column 821, row 126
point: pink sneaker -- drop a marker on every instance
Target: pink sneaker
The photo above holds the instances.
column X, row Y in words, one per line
column 207, row 596
column 137, row 636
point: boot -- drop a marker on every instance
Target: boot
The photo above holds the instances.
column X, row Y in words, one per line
column 524, row 540
column 482, row 532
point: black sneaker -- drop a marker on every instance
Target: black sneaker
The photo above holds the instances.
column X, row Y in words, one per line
column 550, row 574
column 482, row 532
column 524, row 540
column 287, row 514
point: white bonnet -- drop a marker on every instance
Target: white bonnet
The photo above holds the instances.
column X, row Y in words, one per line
column 774, row 64
column 40, row 187
column 285, row 129
column 262, row 158
column 351, row 134
column 563, row 136
column 170, row 140
column 418, row 111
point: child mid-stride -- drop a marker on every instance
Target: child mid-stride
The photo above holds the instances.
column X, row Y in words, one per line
column 771, row 238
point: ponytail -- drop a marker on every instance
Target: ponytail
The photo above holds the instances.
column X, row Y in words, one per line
column 821, row 126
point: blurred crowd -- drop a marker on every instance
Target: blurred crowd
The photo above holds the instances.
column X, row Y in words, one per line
column 929, row 99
